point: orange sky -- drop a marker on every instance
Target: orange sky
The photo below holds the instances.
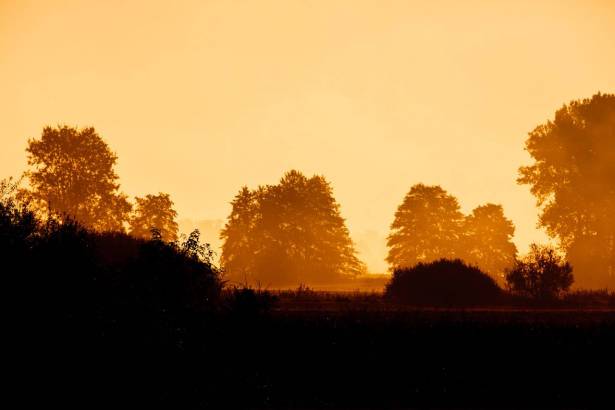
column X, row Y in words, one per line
column 201, row 97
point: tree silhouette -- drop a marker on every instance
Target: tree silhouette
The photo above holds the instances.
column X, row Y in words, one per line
column 541, row 274
column 72, row 177
column 154, row 212
column 488, row 240
column 427, row 227
column 18, row 225
column 573, row 180
column 239, row 247
column 288, row 233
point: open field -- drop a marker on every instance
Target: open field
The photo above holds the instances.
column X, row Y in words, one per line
column 331, row 350
column 407, row 358
column 314, row 300
column 345, row 350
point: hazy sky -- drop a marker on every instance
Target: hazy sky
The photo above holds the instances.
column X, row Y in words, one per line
column 198, row 98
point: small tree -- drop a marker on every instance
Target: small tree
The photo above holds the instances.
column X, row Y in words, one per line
column 154, row 212
column 541, row 274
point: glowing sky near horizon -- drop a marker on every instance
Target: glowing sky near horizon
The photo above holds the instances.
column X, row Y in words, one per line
column 198, row 98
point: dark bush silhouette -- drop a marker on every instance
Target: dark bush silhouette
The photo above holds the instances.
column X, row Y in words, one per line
column 443, row 283
column 18, row 225
column 82, row 281
column 541, row 275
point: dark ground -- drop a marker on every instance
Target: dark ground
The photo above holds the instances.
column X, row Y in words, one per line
column 340, row 355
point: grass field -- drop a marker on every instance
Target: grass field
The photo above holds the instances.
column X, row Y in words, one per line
column 307, row 349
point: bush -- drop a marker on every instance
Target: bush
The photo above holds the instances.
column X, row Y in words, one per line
column 443, row 283
column 541, row 275
column 77, row 282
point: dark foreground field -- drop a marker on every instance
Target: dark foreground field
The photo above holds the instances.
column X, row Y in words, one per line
column 339, row 355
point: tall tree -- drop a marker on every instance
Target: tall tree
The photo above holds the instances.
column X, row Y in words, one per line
column 488, row 241
column 72, row 176
column 573, row 180
column 238, row 235
column 154, row 212
column 288, row 233
column 427, row 227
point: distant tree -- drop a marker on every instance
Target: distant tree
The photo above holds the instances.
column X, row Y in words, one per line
column 154, row 212
column 488, row 240
column 288, row 233
column 573, row 180
column 240, row 245
column 427, row 227
column 542, row 274
column 72, row 177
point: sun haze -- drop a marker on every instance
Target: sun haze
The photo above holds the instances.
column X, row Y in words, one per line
column 202, row 97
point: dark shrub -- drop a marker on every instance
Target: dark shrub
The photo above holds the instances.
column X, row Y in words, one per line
column 443, row 283
column 541, row 275
column 75, row 282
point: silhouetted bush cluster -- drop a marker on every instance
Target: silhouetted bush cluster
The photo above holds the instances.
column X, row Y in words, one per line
column 80, row 283
column 443, row 283
column 541, row 275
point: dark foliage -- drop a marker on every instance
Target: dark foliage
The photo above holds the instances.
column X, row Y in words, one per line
column 443, row 283
column 82, row 301
column 541, row 275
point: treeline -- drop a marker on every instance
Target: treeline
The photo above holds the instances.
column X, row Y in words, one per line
column 293, row 232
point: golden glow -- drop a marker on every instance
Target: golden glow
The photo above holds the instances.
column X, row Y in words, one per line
column 199, row 98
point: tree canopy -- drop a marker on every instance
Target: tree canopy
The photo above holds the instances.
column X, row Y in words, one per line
column 72, row 177
column 573, row 180
column 154, row 212
column 288, row 233
column 427, row 227
column 488, row 240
